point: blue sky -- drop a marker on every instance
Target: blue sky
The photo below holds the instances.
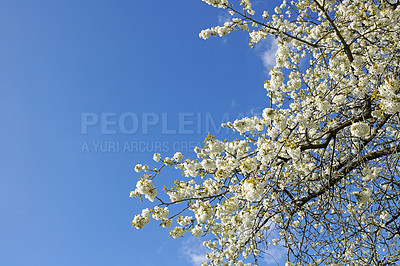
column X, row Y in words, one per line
column 64, row 203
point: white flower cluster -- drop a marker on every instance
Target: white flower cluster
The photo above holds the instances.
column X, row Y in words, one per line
column 389, row 92
column 190, row 168
column 247, row 6
column 203, row 211
column 364, row 195
column 328, row 88
column 229, row 207
column 177, row 232
column 391, row 105
column 197, row 230
column 228, row 27
column 213, row 187
column 156, row 157
column 252, row 190
column 249, row 165
column 160, row 213
column 360, row 129
column 139, row 168
column 178, row 156
column 339, row 99
column 257, row 36
column 140, row 220
column 370, row 173
column 384, row 215
column 294, row 153
column 184, row 221
column 247, row 124
column 276, row 80
column 145, row 186
column 217, row 3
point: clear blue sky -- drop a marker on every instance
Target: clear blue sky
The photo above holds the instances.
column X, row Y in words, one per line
column 64, row 61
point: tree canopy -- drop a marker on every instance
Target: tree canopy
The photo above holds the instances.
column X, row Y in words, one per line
column 321, row 166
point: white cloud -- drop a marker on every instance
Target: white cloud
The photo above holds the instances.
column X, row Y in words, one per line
column 224, row 17
column 233, row 104
column 161, row 247
column 275, row 254
column 194, row 252
column 267, row 50
column 257, row 111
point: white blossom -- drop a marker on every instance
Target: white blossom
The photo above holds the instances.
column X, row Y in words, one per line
column 178, row 156
column 197, row 231
column 160, row 213
column 138, row 168
column 364, row 195
column 145, row 186
column 177, row 232
column 360, row 129
column 318, row 170
column 384, row 215
column 156, row 157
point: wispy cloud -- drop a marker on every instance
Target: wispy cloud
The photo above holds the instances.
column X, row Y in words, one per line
column 275, row 254
column 233, row 104
column 224, row 17
column 161, row 247
column 267, row 51
column 256, row 111
column 194, row 252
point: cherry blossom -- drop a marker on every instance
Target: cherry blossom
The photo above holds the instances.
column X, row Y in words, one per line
column 318, row 172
